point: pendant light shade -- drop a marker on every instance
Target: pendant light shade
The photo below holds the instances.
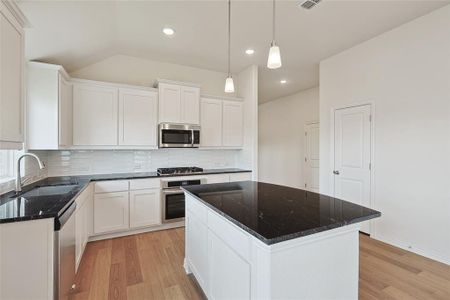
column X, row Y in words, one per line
column 229, row 84
column 274, row 59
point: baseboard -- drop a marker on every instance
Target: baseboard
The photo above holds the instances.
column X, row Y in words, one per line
column 135, row 231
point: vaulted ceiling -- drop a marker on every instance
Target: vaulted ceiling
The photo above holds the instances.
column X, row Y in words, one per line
column 78, row 33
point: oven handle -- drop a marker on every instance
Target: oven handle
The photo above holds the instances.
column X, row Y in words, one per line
column 172, row 191
column 192, row 138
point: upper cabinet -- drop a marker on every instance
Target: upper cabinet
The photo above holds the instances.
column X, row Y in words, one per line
column 178, row 102
column 95, row 115
column 138, row 115
column 11, row 79
column 221, row 123
column 108, row 115
column 49, row 107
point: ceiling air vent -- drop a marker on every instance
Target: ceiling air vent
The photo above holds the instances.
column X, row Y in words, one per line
column 308, row 4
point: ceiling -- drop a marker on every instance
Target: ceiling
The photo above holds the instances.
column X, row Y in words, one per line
column 78, row 33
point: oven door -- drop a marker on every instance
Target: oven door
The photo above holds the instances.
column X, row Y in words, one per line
column 173, row 205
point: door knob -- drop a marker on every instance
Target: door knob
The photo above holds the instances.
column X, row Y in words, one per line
column 336, row 172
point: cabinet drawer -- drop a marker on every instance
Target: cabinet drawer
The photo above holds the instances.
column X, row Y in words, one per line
column 230, row 233
column 218, row 178
column 142, row 184
column 196, row 208
column 111, row 186
column 240, row 176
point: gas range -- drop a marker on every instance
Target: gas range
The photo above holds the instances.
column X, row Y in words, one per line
column 181, row 170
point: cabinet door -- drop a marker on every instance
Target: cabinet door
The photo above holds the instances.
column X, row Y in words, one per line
column 211, row 122
column 137, row 117
column 229, row 274
column 95, row 118
column 190, row 105
column 111, row 212
column 169, row 103
column 145, row 208
column 197, row 249
column 11, row 73
column 65, row 112
column 240, row 176
column 80, row 229
column 232, row 124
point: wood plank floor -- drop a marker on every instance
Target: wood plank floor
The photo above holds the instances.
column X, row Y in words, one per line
column 149, row 266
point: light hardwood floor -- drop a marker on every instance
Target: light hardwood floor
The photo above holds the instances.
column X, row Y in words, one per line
column 149, row 266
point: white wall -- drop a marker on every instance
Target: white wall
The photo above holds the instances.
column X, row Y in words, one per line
column 246, row 84
column 139, row 71
column 405, row 74
column 282, row 137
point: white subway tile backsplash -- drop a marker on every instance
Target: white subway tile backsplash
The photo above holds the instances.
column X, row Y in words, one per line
column 85, row 162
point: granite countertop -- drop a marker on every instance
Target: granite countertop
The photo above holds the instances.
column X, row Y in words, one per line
column 275, row 213
column 15, row 208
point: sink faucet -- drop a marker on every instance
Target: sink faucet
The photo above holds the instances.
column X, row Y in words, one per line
column 18, row 177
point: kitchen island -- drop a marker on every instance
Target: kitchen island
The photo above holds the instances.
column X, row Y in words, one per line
column 253, row 240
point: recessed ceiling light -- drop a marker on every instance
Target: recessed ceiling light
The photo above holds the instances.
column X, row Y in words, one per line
column 249, row 51
column 283, row 81
column 168, row 31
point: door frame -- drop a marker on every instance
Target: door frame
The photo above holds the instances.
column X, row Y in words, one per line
column 305, row 149
column 372, row 149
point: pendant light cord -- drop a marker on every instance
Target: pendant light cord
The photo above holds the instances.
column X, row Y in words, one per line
column 229, row 35
column 273, row 20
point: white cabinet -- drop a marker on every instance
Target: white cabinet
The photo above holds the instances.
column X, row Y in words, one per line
column 211, row 122
column 229, row 273
column 240, row 176
column 145, row 208
column 197, row 247
column 11, row 80
column 83, row 221
column 232, row 124
column 49, row 107
column 95, row 115
column 179, row 103
column 111, row 212
column 138, row 117
column 221, row 123
column 190, row 105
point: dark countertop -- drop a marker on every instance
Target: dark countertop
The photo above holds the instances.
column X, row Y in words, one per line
column 275, row 213
column 15, row 208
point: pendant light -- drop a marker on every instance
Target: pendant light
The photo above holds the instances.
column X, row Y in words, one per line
column 274, row 59
column 229, row 84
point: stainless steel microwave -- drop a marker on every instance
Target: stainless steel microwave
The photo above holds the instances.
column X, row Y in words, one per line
column 179, row 135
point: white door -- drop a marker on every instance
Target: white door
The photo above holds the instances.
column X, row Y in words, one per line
column 137, row 117
column 169, row 103
column 190, row 105
column 145, row 208
column 11, row 72
column 111, row 212
column 197, row 248
column 352, row 156
column 312, row 157
column 65, row 112
column 95, row 117
column 232, row 124
column 211, row 123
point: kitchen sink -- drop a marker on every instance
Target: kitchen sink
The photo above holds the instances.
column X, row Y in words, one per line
column 49, row 190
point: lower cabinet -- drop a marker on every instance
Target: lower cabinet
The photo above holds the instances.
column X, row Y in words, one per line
column 229, row 276
column 197, row 248
column 145, row 208
column 111, row 212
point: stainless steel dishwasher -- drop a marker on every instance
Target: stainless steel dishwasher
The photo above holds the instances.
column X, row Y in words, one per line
column 64, row 258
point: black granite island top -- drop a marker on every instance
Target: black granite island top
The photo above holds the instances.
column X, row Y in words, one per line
column 64, row 190
column 275, row 213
